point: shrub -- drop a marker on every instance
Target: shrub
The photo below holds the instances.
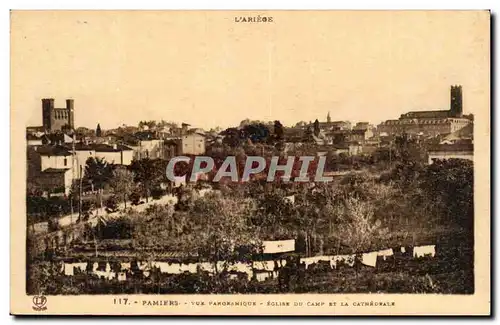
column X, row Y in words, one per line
column 157, row 193
column 135, row 198
column 112, row 204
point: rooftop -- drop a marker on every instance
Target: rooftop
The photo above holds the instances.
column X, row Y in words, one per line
column 79, row 146
column 55, row 170
column 145, row 135
column 49, row 150
column 453, row 147
column 110, row 148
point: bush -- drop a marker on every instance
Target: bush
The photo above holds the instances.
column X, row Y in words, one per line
column 120, row 228
column 135, row 198
column 157, row 193
column 53, row 224
column 112, row 204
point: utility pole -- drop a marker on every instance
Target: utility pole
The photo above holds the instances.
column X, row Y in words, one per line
column 80, row 196
column 390, row 154
column 73, row 176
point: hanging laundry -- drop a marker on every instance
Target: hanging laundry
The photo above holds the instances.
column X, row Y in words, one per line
column 421, row 251
column 220, row 265
column 336, row 259
column 164, row 267
column 173, row 268
column 350, row 260
column 108, row 267
column 278, row 246
column 95, row 266
column 111, row 275
column 262, row 276
column 369, row 259
column 325, row 258
column 264, row 265
column 125, row 266
column 307, row 261
column 122, row 276
column 347, row 259
column 82, row 266
column 241, row 268
column 386, row 253
column 191, row 268
column 101, row 274
column 208, row 267
column 69, row 269
column 143, row 265
column 403, row 250
column 183, row 267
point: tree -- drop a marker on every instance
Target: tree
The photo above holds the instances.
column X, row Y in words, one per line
column 95, row 226
column 98, row 131
column 166, row 124
column 150, row 125
column 40, row 277
column 223, row 226
column 157, row 227
column 358, row 226
column 97, row 172
column 148, row 173
column 316, row 128
column 278, row 131
column 112, row 204
column 232, row 137
column 449, row 185
column 257, row 133
column 408, row 149
column 308, row 135
column 274, row 212
column 122, row 183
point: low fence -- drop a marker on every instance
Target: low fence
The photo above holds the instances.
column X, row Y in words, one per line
column 40, row 244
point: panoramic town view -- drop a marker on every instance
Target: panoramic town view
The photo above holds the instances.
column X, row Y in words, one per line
column 212, row 152
column 392, row 210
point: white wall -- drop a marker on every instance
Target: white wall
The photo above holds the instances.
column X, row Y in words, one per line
column 34, row 142
column 128, row 156
column 56, row 162
column 193, row 144
column 81, row 160
column 116, row 157
column 68, row 180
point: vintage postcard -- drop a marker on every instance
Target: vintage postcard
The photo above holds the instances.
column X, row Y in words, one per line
column 250, row 162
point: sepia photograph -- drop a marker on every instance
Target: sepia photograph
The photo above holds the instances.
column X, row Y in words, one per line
column 250, row 162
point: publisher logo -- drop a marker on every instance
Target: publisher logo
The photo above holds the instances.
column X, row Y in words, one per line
column 39, row 303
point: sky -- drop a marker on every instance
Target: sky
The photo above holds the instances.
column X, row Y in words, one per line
column 205, row 69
